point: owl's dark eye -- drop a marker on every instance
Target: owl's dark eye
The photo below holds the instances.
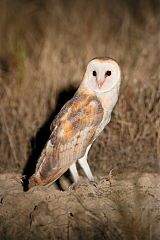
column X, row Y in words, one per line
column 94, row 73
column 108, row 73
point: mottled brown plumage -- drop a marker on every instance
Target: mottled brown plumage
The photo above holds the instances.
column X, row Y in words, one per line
column 74, row 128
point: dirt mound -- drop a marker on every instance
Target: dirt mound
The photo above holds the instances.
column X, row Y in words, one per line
column 41, row 56
column 127, row 209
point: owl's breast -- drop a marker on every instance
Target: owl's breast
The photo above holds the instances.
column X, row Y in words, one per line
column 102, row 125
column 108, row 102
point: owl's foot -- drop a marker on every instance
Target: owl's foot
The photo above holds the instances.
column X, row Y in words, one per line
column 94, row 182
column 109, row 177
column 74, row 186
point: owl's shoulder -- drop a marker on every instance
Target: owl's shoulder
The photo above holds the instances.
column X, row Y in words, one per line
column 80, row 107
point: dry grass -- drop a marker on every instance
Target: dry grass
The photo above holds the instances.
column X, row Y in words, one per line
column 44, row 48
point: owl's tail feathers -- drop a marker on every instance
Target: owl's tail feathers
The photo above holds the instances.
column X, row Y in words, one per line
column 32, row 182
column 35, row 180
column 28, row 183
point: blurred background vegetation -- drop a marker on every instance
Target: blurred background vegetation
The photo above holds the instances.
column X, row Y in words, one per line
column 44, row 49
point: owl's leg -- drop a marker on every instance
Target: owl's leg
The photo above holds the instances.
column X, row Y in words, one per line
column 74, row 173
column 84, row 165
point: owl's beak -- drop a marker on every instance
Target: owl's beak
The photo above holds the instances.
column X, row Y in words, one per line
column 100, row 83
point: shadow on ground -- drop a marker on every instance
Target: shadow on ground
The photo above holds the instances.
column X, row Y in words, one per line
column 38, row 142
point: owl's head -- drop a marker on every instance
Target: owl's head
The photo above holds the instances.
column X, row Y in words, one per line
column 102, row 74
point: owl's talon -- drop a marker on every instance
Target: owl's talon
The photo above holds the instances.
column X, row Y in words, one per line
column 110, row 176
column 74, row 186
column 94, row 182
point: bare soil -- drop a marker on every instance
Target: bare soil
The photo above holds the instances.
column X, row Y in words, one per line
column 128, row 208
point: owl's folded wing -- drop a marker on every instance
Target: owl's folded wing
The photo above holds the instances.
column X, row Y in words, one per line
column 74, row 129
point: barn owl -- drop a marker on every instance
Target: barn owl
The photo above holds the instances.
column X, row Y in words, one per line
column 79, row 123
